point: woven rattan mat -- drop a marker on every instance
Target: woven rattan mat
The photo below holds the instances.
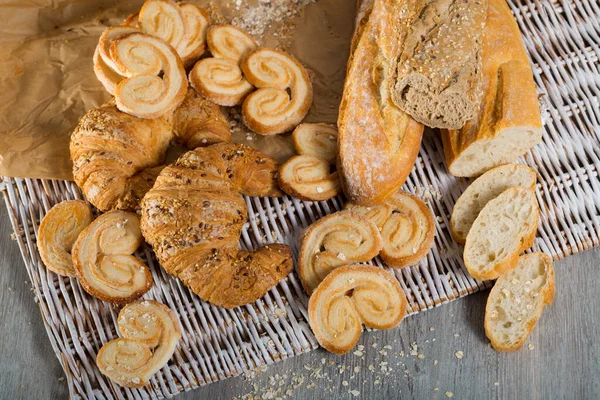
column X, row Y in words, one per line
column 563, row 41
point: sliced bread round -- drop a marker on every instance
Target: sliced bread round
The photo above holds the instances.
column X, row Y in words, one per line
column 517, row 300
column 484, row 189
column 504, row 228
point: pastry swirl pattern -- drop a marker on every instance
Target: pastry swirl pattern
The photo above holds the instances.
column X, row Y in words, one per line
column 58, row 232
column 103, row 260
column 337, row 239
column 319, row 140
column 270, row 109
column 309, row 178
column 143, row 93
column 219, row 78
column 406, row 225
column 350, row 296
column 150, row 331
column 182, row 25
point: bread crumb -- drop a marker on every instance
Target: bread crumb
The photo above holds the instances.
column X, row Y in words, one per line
column 344, row 383
column 431, row 329
column 496, row 383
column 435, row 362
column 530, row 346
column 357, row 369
column 435, row 389
column 449, row 394
column 354, row 393
column 459, row 354
column 421, row 356
column 358, row 353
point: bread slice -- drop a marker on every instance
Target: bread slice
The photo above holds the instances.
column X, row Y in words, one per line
column 517, row 300
column 508, row 123
column 484, row 189
column 503, row 229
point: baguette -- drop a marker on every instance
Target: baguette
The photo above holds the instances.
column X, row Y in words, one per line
column 439, row 71
column 504, row 228
column 508, row 123
column 485, row 188
column 378, row 142
column 517, row 301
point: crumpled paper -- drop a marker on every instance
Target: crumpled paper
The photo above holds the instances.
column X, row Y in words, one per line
column 47, row 82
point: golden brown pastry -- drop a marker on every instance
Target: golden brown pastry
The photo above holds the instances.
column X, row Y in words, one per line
column 220, row 81
column 182, row 25
column 319, row 140
column 103, row 262
column 406, row 225
column 57, row 234
column 378, row 143
column 508, row 122
column 270, row 109
column 335, row 240
column 116, row 156
column 155, row 82
column 309, row 178
column 219, row 78
column 350, row 296
column 199, row 122
column 439, row 69
column 229, row 43
column 104, row 66
column 193, row 218
column 150, row 331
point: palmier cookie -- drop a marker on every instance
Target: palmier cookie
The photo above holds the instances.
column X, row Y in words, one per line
column 155, row 82
column 350, row 296
column 309, row 178
column 319, row 140
column 336, row 239
column 103, row 262
column 406, row 225
column 58, row 232
column 271, row 110
column 150, row 331
column 219, row 78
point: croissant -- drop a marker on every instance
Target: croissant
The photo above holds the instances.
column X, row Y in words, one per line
column 116, row 156
column 193, row 218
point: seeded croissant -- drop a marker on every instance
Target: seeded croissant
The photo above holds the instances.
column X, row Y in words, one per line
column 116, row 156
column 193, row 218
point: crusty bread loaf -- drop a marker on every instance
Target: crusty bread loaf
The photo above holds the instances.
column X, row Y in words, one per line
column 517, row 300
column 378, row 142
column 439, row 70
column 485, row 188
column 504, row 228
column 508, row 123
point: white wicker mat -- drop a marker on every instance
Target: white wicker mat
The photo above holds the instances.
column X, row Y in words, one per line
column 563, row 40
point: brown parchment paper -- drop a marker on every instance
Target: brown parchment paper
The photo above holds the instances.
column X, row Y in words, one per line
column 47, row 82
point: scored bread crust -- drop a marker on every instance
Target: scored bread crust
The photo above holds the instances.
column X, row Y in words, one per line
column 475, row 198
column 378, row 142
column 508, row 123
column 546, row 293
column 508, row 261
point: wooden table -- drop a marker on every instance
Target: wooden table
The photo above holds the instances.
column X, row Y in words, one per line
column 561, row 359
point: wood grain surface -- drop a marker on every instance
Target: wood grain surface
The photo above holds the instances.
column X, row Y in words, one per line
column 561, row 359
